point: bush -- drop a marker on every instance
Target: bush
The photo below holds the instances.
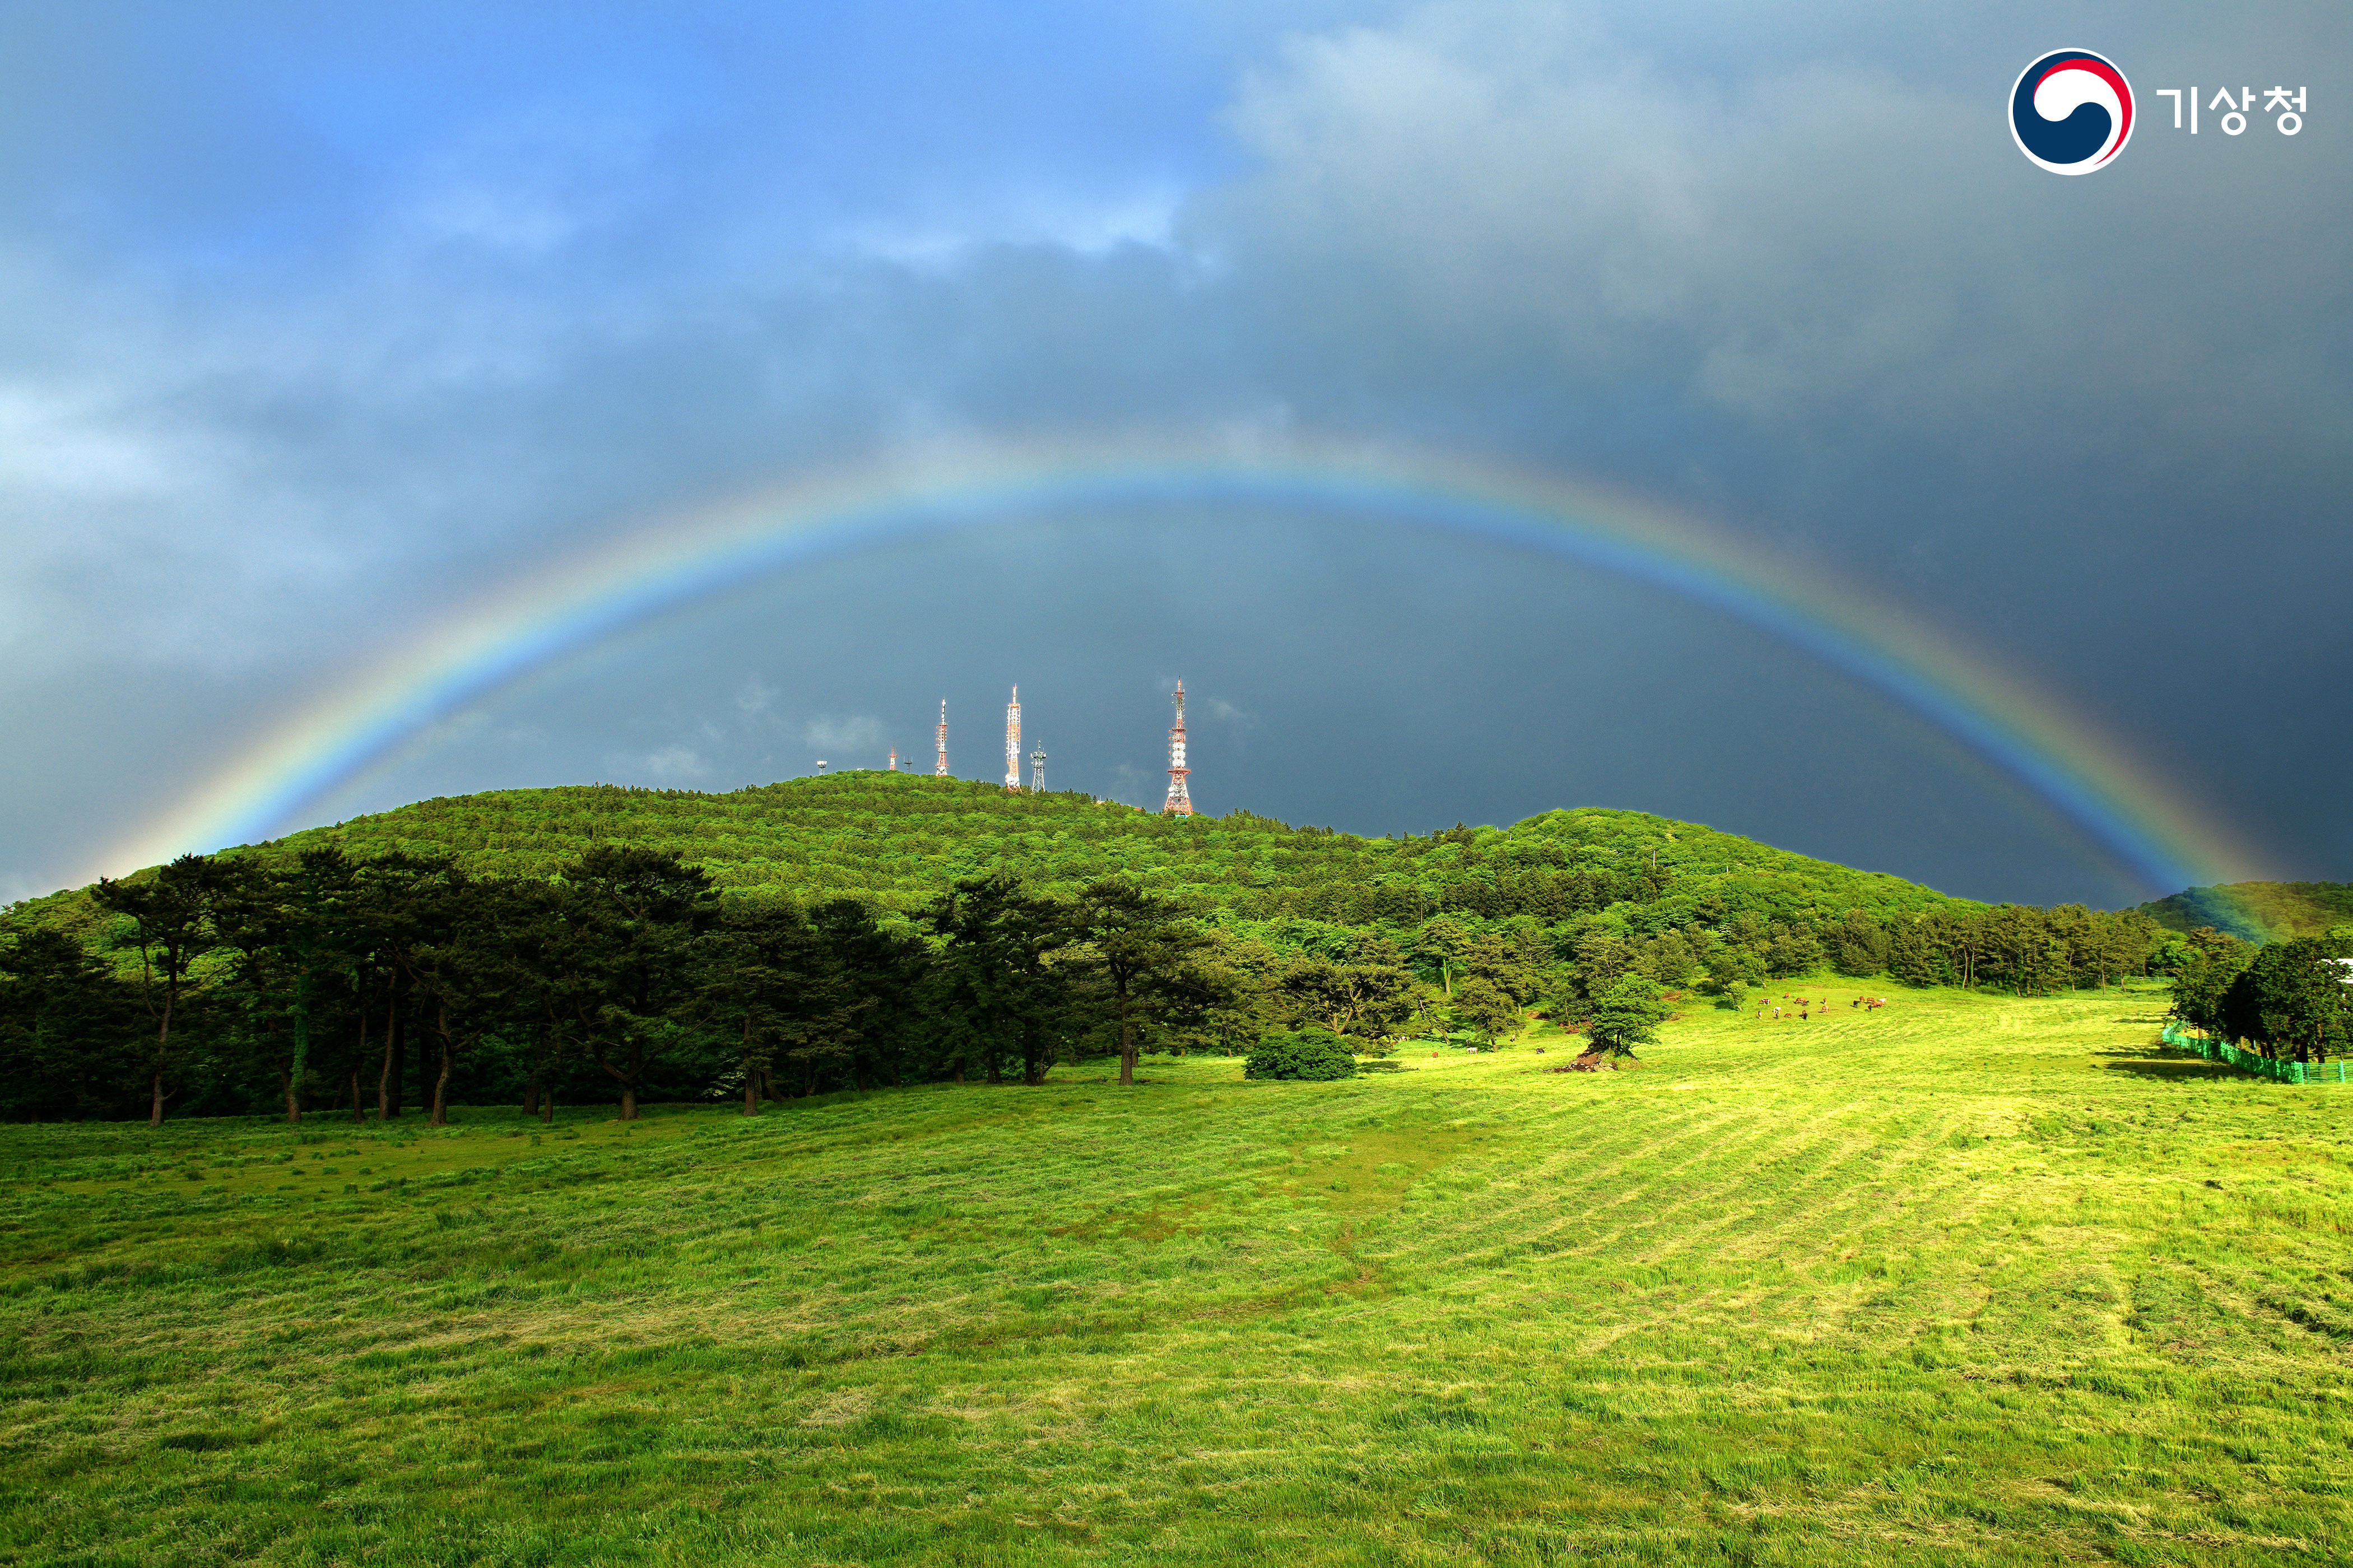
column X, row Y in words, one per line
column 1312, row 1053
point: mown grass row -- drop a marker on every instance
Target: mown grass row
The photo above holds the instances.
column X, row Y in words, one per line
column 1961, row 1279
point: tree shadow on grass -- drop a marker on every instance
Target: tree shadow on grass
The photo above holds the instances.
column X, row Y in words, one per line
column 2171, row 1068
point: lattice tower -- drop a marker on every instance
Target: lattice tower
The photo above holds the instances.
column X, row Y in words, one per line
column 1013, row 742
column 941, row 767
column 1037, row 768
column 1180, row 803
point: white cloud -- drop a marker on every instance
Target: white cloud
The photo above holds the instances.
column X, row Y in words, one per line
column 1132, row 785
column 755, row 695
column 1219, row 709
column 850, row 734
column 672, row 765
column 1142, row 216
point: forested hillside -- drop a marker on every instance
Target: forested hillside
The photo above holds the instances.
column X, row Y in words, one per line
column 897, row 840
column 2257, row 911
column 900, row 838
column 890, row 927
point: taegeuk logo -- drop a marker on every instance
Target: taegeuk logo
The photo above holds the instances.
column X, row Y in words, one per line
column 2071, row 112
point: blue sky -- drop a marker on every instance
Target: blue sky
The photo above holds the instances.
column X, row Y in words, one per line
column 314, row 321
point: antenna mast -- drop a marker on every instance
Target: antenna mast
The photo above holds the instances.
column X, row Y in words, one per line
column 942, row 767
column 1013, row 742
column 1038, row 769
column 1179, row 803
column 894, row 759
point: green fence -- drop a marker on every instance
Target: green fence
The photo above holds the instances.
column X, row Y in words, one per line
column 2247, row 1061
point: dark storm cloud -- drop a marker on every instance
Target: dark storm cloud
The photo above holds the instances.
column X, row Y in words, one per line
column 310, row 330
column 1808, row 283
column 1818, row 265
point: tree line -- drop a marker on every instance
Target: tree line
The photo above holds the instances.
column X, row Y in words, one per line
column 327, row 980
column 230, row 985
column 2018, row 948
column 372, row 985
column 2292, row 1000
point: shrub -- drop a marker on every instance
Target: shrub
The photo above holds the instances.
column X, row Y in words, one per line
column 1312, row 1053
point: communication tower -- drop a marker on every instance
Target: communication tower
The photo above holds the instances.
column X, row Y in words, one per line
column 1037, row 768
column 1179, row 803
column 1013, row 742
column 941, row 768
column 894, row 759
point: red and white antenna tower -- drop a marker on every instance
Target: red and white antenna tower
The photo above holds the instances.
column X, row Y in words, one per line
column 1013, row 742
column 1179, row 803
column 894, row 759
column 941, row 767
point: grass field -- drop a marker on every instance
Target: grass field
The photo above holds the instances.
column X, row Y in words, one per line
column 1966, row 1280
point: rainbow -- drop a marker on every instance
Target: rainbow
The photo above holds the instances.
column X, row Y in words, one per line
column 524, row 627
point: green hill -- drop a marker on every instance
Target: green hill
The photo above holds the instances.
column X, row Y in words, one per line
column 900, row 838
column 2257, row 911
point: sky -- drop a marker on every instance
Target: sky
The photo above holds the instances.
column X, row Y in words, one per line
column 320, row 325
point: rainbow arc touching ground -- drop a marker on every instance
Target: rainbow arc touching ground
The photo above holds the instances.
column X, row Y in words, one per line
column 2122, row 803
